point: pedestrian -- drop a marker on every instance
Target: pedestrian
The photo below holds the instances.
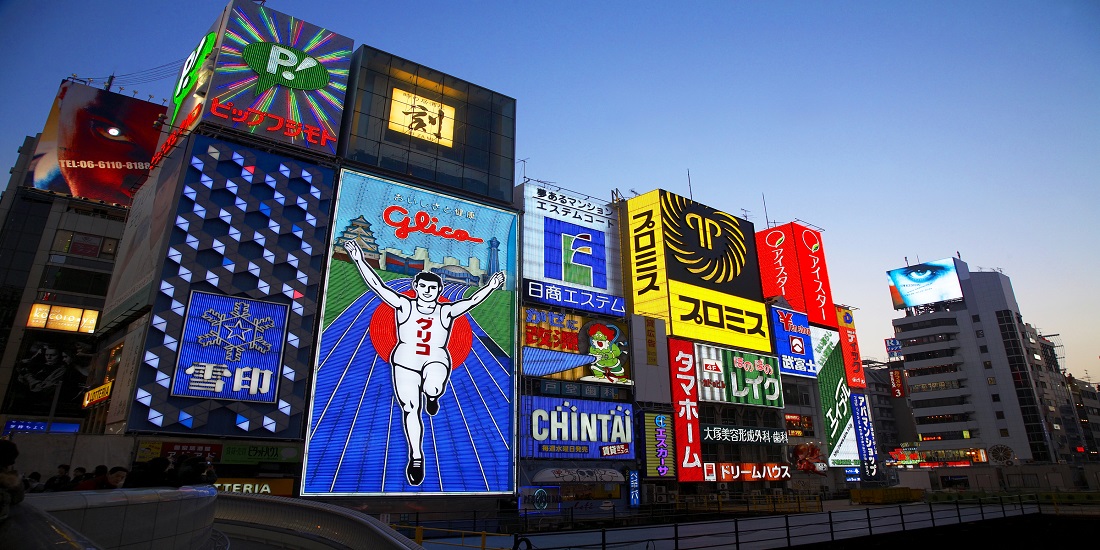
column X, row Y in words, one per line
column 195, row 470
column 33, row 483
column 60, row 481
column 11, row 487
column 113, row 479
column 80, row 473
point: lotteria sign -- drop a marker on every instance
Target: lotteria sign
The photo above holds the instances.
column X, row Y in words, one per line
column 566, row 428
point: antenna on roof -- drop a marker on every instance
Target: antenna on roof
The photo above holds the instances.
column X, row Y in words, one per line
column 690, row 196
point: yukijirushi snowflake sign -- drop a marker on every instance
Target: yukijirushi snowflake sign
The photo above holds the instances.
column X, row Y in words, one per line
column 232, row 348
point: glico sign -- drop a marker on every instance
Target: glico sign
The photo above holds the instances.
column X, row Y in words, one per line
column 792, row 265
column 696, row 268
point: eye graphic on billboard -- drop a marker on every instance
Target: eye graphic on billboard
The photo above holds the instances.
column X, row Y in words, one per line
column 692, row 266
column 422, row 118
column 926, row 283
column 571, row 347
column 685, row 397
column 835, row 403
column 793, row 343
column 738, row 377
column 96, row 144
column 417, row 346
column 849, row 347
column 792, row 265
column 232, row 348
column 556, row 427
column 571, row 251
column 660, row 446
column 279, row 77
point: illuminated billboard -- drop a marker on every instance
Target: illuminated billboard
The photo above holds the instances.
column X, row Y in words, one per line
column 571, row 251
column 411, row 119
column 417, row 346
column 246, row 228
column 793, row 343
column 660, row 446
column 571, row 347
column 279, row 78
column 685, row 399
column 726, row 472
column 50, row 368
column 743, row 435
column 835, row 402
column 849, row 348
column 792, row 265
column 865, row 437
column 926, row 283
column 567, row 428
column 232, row 348
column 68, row 319
column 96, row 144
column 738, row 377
column 695, row 268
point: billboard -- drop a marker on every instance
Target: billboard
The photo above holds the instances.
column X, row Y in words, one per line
column 835, row 403
column 246, row 228
column 232, row 348
column 849, row 348
column 96, row 144
column 660, row 446
column 725, row 472
column 865, row 438
column 793, row 343
column 926, row 283
column 571, row 251
column 694, row 267
column 738, row 377
column 279, row 78
column 897, row 384
column 567, row 428
column 743, row 435
column 417, row 346
column 571, row 347
column 50, row 366
column 792, row 265
column 685, row 399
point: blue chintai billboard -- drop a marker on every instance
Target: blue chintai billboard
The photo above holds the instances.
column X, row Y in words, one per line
column 414, row 389
column 567, row 428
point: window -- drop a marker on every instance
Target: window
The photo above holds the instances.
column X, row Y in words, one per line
column 975, row 318
column 979, row 333
column 992, row 380
column 987, row 364
column 1004, row 432
column 1000, row 415
column 996, row 397
column 983, row 349
column 83, row 244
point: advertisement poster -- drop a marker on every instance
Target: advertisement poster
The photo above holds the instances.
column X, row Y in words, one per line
column 835, row 399
column 738, row 377
column 685, row 399
column 927, row 283
column 571, row 347
column 793, row 343
column 567, row 428
column 414, row 388
column 50, row 364
column 660, row 444
column 865, row 438
column 571, row 251
column 792, row 265
column 849, row 347
column 96, row 144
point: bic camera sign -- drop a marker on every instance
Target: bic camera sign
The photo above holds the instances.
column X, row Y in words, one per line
column 285, row 66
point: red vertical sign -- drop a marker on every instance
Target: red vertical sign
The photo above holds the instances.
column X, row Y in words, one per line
column 897, row 386
column 685, row 403
column 779, row 272
column 815, row 276
column 849, row 349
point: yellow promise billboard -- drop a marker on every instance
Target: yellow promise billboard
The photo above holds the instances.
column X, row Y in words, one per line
column 696, row 268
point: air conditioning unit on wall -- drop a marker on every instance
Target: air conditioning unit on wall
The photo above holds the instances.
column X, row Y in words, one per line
column 661, row 498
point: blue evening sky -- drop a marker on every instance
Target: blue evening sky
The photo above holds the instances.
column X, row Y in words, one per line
column 902, row 129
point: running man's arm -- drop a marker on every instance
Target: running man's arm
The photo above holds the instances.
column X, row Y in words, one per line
column 387, row 294
column 457, row 309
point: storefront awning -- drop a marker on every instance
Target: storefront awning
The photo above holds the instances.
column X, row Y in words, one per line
column 578, row 475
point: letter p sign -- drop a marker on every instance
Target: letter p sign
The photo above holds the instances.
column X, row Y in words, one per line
column 285, row 66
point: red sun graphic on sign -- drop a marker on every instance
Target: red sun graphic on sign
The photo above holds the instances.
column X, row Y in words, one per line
column 383, row 333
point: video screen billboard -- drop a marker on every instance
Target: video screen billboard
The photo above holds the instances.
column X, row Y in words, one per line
column 571, row 251
column 567, row 428
column 695, row 268
column 926, row 283
column 417, row 347
column 835, row 402
column 792, row 265
column 685, row 399
column 279, row 78
column 849, row 348
column 793, row 343
column 738, row 377
column 96, row 144
column 571, row 347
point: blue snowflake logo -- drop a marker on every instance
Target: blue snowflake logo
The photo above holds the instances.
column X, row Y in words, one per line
column 240, row 331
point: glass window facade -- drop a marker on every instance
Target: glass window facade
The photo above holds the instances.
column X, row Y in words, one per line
column 409, row 119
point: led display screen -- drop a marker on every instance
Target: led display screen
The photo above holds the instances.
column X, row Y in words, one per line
column 835, row 403
column 279, row 78
column 571, row 347
column 96, row 144
column 792, row 265
column 695, row 268
column 738, row 377
column 660, row 446
column 571, row 251
column 232, row 348
column 849, row 348
column 865, row 437
column 416, row 364
column 685, row 399
column 566, row 428
column 793, row 343
column 926, row 283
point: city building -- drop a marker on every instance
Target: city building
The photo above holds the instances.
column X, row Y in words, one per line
column 1087, row 402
